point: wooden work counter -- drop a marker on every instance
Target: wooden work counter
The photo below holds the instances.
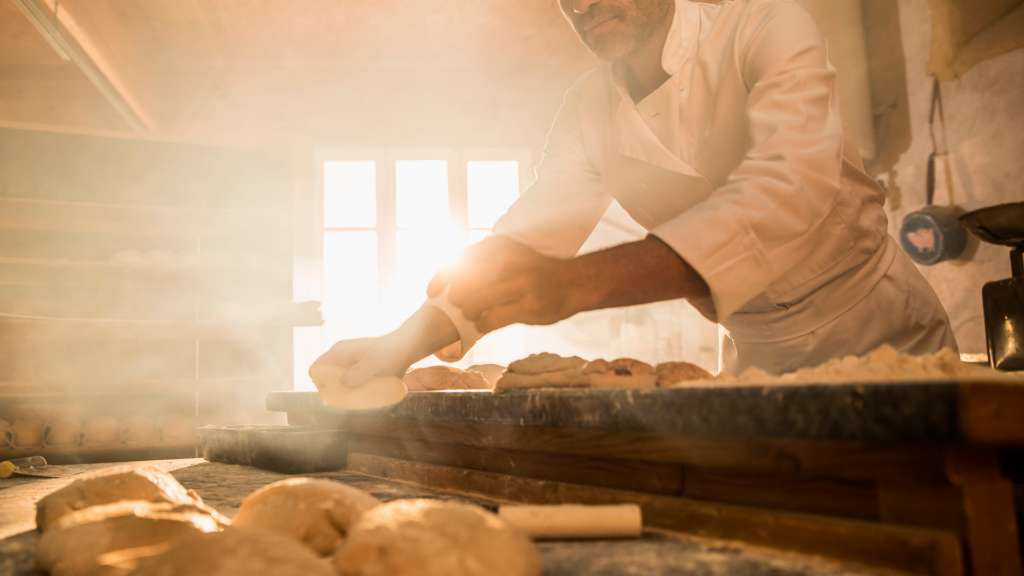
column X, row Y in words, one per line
column 912, row 476
column 224, row 486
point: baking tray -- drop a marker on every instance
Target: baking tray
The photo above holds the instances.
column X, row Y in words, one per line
column 285, row 449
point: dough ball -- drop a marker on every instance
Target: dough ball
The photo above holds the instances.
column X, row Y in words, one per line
column 490, row 372
column 434, row 538
column 6, row 434
column 670, row 373
column 545, row 362
column 317, row 513
column 231, row 552
column 64, row 432
column 444, row 378
column 378, row 392
column 622, row 372
column 73, row 545
column 101, row 430
column 177, row 428
column 138, row 430
column 27, row 433
column 110, row 485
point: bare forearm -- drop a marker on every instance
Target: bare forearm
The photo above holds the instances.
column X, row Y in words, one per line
column 425, row 332
column 634, row 273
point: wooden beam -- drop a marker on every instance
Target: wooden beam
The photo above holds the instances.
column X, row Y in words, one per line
column 988, row 505
column 128, row 86
column 914, row 550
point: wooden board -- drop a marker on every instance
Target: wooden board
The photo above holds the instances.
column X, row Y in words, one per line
column 914, row 550
column 936, row 412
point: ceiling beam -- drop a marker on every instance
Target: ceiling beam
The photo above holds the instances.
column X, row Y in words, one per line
column 125, row 90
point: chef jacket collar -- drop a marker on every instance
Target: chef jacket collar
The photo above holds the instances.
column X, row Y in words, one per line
column 682, row 37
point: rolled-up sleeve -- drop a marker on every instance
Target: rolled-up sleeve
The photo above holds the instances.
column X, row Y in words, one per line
column 555, row 215
column 756, row 226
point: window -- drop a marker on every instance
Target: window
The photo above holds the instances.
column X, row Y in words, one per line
column 391, row 218
column 383, row 221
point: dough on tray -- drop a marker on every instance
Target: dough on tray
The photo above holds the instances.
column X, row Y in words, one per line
column 27, row 433
column 73, row 545
column 543, row 370
column 132, row 482
column 101, row 430
column 231, row 552
column 176, row 428
column 623, row 372
column 138, row 430
column 435, row 538
column 316, row 512
column 670, row 373
column 444, row 378
column 63, row 432
column 6, row 434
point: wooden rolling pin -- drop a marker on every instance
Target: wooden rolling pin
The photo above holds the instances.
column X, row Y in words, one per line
column 571, row 521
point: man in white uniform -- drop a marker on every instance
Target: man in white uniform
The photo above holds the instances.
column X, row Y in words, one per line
column 717, row 127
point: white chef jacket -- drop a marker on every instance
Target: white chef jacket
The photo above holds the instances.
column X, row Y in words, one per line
column 742, row 163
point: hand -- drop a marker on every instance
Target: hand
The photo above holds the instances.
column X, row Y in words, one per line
column 366, row 358
column 499, row 282
column 425, row 332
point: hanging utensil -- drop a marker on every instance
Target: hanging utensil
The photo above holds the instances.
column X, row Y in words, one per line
column 932, row 234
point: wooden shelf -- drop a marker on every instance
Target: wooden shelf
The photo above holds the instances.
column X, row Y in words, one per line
column 59, row 272
column 49, row 389
column 147, row 220
column 61, row 329
column 105, row 453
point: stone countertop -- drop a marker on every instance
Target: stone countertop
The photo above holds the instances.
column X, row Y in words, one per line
column 908, row 412
column 224, row 486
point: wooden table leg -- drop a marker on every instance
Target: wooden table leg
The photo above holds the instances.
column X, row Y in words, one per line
column 993, row 548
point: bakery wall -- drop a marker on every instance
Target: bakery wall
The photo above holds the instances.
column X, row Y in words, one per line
column 984, row 133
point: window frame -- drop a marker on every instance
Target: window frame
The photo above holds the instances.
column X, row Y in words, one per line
column 386, row 228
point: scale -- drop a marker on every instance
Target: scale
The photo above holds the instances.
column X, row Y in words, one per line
column 1003, row 300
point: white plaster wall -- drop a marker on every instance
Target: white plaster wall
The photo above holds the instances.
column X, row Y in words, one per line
column 984, row 113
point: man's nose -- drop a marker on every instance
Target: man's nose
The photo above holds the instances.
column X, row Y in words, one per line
column 581, row 6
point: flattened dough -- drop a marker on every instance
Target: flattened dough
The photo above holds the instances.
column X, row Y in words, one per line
column 619, row 373
column 317, row 513
column 435, row 538
column 560, row 379
column 670, row 373
column 377, row 393
column 111, row 485
column 444, row 378
column 73, row 545
column 490, row 372
column 545, row 362
column 101, row 430
column 232, row 552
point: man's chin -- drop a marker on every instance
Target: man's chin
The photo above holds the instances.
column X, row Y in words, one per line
column 607, row 50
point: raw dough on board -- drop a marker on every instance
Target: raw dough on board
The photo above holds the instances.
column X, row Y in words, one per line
column 133, row 482
column 316, row 512
column 377, row 393
column 435, row 538
column 444, row 378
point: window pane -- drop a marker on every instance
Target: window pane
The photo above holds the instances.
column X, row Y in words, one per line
column 350, row 194
column 492, row 187
column 350, row 285
column 421, row 189
column 420, row 253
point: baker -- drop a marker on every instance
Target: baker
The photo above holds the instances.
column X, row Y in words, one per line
column 717, row 127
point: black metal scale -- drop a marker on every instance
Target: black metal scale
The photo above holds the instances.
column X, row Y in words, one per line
column 1003, row 300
